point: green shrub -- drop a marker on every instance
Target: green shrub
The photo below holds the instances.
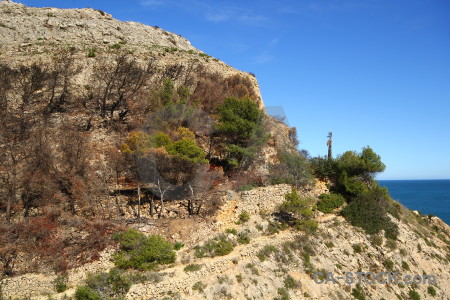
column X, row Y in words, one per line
column 248, row 187
column 253, row 269
column 141, row 252
column 293, row 169
column 92, row 52
column 388, row 264
column 192, row 268
column 357, row 248
column 329, row 244
column 376, row 240
column 266, row 252
column 328, row 202
column 358, row 293
column 115, row 46
column 431, row 291
column 309, row 226
column 296, row 212
column 111, row 284
column 275, row 227
column 218, row 246
column 284, row 294
column 413, row 295
column 290, row 283
column 60, row 284
column 243, row 237
column 178, row 245
column 239, row 278
column 391, row 244
column 244, row 217
column 199, row 286
column 231, row 230
column 405, row 266
column 368, row 211
column 86, row 293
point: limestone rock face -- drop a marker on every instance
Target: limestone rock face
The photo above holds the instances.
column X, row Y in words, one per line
column 21, row 25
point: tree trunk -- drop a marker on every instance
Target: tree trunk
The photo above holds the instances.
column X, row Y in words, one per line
column 161, row 208
column 139, row 202
column 152, row 207
column 191, row 202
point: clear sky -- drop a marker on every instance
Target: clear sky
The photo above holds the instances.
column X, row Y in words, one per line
column 374, row 72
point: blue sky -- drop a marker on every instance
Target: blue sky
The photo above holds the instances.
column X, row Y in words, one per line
column 374, row 72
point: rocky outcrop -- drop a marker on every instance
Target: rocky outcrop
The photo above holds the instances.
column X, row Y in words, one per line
column 22, row 26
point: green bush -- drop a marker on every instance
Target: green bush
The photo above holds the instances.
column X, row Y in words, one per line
column 328, row 202
column 309, row 226
column 92, row 52
column 368, row 211
column 199, row 286
column 275, row 227
column 324, row 168
column 243, row 237
column 293, row 169
column 115, row 283
column 358, row 293
column 329, row 244
column 266, row 252
column 413, row 295
column 253, row 269
column 178, row 245
column 60, row 284
column 357, row 248
column 391, row 244
column 297, row 209
column 388, row 264
column 405, row 266
column 376, row 240
column 141, row 252
column 231, row 230
column 115, row 46
column 284, row 294
column 244, row 217
column 290, row 283
column 218, row 246
column 192, row 267
column 86, row 293
column 431, row 291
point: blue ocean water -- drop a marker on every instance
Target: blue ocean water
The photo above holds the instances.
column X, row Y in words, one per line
column 426, row 196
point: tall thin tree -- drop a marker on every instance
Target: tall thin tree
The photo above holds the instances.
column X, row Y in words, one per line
column 330, row 145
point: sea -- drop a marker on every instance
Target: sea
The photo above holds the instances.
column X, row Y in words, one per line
column 426, row 196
